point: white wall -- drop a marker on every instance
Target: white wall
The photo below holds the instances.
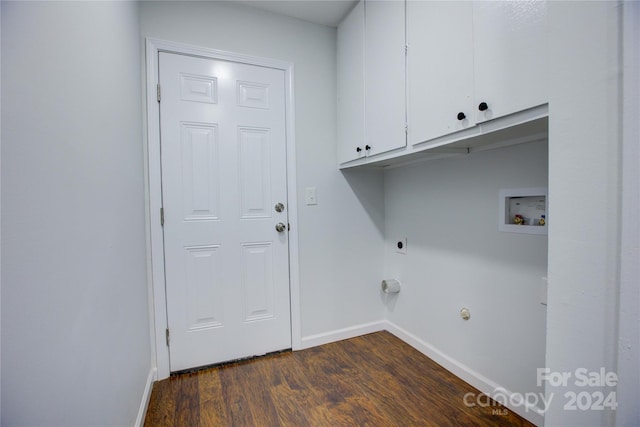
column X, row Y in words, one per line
column 628, row 413
column 0, row 215
column 75, row 337
column 584, row 176
column 456, row 257
column 341, row 237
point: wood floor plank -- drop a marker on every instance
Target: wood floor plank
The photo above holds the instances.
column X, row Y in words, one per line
column 447, row 386
column 440, row 389
column 188, row 402
column 387, row 389
column 258, row 394
column 290, row 395
column 366, row 401
column 328, row 390
column 232, row 378
column 213, row 411
column 372, row 380
column 338, row 380
column 162, row 404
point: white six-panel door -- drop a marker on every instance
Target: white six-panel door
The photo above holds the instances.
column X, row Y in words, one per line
column 223, row 151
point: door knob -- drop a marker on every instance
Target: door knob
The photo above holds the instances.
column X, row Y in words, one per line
column 280, row 227
column 461, row 116
column 358, row 149
column 279, row 207
column 483, row 106
column 367, row 147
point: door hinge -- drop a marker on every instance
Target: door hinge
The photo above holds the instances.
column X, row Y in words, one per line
column 161, row 217
column 158, row 92
column 406, row 129
column 166, row 334
column 406, row 49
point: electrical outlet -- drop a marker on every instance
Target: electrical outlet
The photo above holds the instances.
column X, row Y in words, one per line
column 401, row 246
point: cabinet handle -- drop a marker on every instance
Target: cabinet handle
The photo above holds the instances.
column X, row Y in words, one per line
column 367, row 147
column 461, row 116
column 358, row 149
column 483, row 106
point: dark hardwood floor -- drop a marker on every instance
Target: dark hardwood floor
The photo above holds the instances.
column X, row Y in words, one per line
column 373, row 380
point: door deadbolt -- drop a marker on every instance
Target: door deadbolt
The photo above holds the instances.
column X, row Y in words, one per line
column 279, row 207
column 280, row 227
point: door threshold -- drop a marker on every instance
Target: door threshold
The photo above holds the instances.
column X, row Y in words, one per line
column 228, row 362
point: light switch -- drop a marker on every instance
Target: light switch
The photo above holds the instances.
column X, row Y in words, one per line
column 311, row 196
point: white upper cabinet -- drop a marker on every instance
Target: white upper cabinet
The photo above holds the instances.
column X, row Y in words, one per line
column 437, row 73
column 385, row 73
column 510, row 60
column 440, row 68
column 472, row 61
column 350, row 63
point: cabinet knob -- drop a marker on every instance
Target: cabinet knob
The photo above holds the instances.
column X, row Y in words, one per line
column 461, row 116
column 358, row 149
column 483, row 106
column 367, row 147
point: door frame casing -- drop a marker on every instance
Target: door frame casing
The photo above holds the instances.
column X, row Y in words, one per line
column 153, row 190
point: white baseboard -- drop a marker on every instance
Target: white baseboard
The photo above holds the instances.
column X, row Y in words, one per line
column 532, row 413
column 342, row 334
column 146, row 396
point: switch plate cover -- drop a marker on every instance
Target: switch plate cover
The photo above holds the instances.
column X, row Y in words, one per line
column 311, row 196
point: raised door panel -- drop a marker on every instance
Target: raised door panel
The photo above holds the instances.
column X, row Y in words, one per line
column 200, row 180
column 203, row 287
column 255, row 172
column 440, row 68
column 385, row 76
column 510, row 39
column 196, row 88
column 257, row 281
column 350, row 64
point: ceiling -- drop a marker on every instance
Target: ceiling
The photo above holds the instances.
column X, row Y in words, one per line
column 324, row 12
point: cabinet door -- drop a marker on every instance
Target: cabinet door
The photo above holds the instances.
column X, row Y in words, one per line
column 440, row 68
column 385, row 57
column 510, row 56
column 350, row 63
